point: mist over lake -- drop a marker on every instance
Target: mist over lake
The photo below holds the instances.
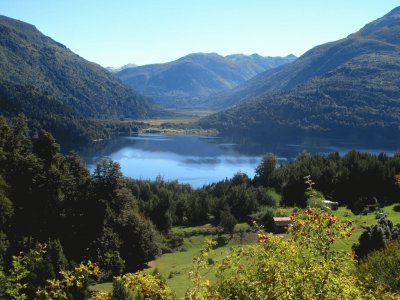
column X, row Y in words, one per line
column 200, row 160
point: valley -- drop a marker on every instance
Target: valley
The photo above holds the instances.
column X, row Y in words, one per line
column 209, row 175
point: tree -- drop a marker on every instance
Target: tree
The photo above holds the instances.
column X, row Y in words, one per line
column 265, row 168
column 107, row 179
column 228, row 222
column 45, row 147
column 19, row 141
column 6, row 205
column 375, row 237
column 139, row 243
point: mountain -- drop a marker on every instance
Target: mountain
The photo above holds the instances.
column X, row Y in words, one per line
column 188, row 80
column 116, row 70
column 57, row 89
column 315, row 62
column 342, row 88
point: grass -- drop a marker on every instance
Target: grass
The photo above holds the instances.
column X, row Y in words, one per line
column 179, row 131
column 178, row 120
column 174, row 267
column 179, row 117
column 360, row 222
column 105, row 286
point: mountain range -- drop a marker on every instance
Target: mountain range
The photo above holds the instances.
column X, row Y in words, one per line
column 57, row 89
column 188, row 81
column 346, row 87
column 350, row 86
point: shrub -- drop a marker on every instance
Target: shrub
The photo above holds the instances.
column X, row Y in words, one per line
column 375, row 237
column 301, row 266
column 381, row 267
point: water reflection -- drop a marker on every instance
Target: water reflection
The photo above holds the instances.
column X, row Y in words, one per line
column 202, row 160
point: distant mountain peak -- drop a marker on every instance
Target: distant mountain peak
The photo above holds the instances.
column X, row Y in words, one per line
column 191, row 78
column 115, row 70
column 291, row 56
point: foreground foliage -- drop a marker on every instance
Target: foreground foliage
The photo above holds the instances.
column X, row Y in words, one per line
column 301, row 265
column 383, row 267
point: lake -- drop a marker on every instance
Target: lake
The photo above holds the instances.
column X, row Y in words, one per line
column 200, row 160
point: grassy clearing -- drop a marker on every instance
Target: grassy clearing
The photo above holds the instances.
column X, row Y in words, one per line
column 360, row 222
column 179, row 131
column 177, row 123
column 174, row 267
column 179, row 117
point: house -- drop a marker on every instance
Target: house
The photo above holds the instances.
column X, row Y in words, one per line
column 281, row 224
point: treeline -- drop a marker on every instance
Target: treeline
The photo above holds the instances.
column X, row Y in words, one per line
column 355, row 180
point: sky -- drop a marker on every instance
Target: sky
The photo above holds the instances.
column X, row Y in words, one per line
column 119, row 32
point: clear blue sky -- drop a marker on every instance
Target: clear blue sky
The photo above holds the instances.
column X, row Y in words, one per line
column 115, row 33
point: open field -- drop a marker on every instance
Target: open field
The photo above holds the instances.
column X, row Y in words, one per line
column 178, row 117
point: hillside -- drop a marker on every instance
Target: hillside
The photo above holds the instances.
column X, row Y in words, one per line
column 345, row 87
column 55, row 87
column 188, row 80
column 376, row 37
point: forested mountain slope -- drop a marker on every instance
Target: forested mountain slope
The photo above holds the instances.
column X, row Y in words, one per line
column 56, row 88
column 380, row 36
column 357, row 89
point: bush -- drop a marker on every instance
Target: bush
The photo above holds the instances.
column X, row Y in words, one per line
column 381, row 267
column 267, row 220
column 220, row 241
column 228, row 222
column 301, row 266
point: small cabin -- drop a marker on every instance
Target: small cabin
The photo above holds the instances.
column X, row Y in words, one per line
column 281, row 224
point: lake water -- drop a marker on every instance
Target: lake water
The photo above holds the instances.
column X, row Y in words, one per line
column 200, row 160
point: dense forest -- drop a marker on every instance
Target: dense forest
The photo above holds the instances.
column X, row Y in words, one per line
column 122, row 223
